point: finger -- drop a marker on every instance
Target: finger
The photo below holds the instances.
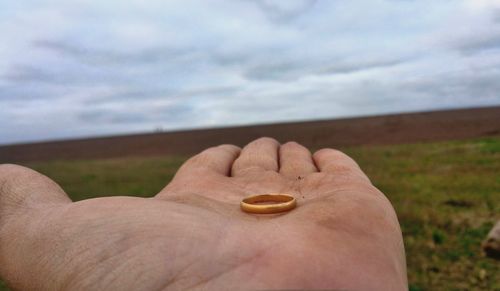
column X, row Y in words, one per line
column 260, row 155
column 337, row 163
column 295, row 161
column 21, row 187
column 217, row 160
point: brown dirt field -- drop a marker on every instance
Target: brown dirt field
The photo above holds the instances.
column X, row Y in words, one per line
column 388, row 129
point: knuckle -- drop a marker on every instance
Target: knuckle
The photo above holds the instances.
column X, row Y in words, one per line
column 6, row 169
column 201, row 158
column 209, row 150
column 266, row 139
column 262, row 162
column 292, row 145
column 229, row 147
column 327, row 151
column 10, row 173
column 321, row 154
column 333, row 154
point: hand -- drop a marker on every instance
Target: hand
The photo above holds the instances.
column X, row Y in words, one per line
column 344, row 233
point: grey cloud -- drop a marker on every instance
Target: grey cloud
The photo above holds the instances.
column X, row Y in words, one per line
column 45, row 74
column 141, row 94
column 225, row 59
column 479, row 43
column 130, row 94
column 496, row 16
column 23, row 73
column 452, row 89
column 278, row 12
column 115, row 57
column 479, row 38
column 23, row 92
column 79, row 66
column 352, row 66
column 293, row 70
column 465, row 85
column 166, row 66
column 283, row 70
column 263, row 65
column 111, row 116
column 171, row 113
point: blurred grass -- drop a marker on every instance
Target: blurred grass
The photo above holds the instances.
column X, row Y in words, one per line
column 446, row 195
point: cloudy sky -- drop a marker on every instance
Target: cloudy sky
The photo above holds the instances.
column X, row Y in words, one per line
column 95, row 67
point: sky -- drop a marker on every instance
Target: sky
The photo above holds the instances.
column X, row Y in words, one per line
column 83, row 68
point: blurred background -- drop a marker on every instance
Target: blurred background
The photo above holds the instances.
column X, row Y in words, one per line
column 88, row 67
column 90, row 92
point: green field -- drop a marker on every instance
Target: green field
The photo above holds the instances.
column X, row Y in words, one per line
column 446, row 196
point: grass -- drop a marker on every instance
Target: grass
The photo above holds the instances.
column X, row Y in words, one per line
column 447, row 198
column 446, row 195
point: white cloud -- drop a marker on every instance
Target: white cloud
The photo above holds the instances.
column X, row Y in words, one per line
column 89, row 67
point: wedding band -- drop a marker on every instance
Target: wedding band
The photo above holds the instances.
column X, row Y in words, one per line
column 283, row 202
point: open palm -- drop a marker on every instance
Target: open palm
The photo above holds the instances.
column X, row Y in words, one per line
column 343, row 234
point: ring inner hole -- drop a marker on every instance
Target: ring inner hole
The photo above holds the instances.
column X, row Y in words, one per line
column 269, row 200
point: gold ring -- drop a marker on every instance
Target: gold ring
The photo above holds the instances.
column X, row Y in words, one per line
column 284, row 202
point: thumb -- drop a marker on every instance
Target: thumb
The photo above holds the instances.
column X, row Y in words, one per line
column 24, row 195
column 22, row 188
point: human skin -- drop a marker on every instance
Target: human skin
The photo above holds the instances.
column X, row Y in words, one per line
column 343, row 234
